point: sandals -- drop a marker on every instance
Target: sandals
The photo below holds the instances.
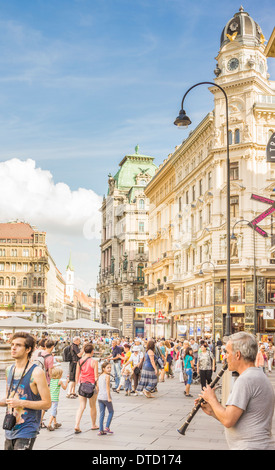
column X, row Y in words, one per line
column 101, row 433
column 95, row 428
column 108, row 431
column 77, row 430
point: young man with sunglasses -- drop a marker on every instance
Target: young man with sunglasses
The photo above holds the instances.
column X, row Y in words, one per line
column 27, row 394
column 248, row 414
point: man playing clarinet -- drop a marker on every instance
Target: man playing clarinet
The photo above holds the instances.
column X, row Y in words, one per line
column 247, row 417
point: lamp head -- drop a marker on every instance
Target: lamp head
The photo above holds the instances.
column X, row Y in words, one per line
column 201, row 273
column 182, row 120
column 233, row 236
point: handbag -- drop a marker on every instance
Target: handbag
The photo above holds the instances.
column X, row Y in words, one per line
column 86, row 389
column 160, row 363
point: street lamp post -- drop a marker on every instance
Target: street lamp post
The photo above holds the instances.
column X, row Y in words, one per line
column 155, row 307
column 233, row 237
column 214, row 301
column 183, row 121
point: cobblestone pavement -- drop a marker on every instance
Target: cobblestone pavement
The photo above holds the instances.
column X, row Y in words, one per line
column 139, row 423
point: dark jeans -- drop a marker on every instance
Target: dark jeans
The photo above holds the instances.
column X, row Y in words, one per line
column 19, row 444
column 103, row 404
column 205, row 376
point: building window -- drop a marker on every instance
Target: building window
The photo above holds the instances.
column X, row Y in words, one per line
column 234, row 206
column 270, row 290
column 237, row 136
column 200, row 187
column 25, row 252
column 13, row 252
column 210, row 180
column 141, row 248
column 140, row 274
column 141, row 204
column 2, row 266
column 3, row 252
column 180, row 205
column 230, row 137
column 141, row 226
column 234, row 171
column 25, row 282
column 7, row 297
column 200, row 220
column 208, row 213
column 13, row 281
column 193, row 193
column 25, row 267
column 237, row 291
column 34, row 299
column 24, row 298
column 13, row 267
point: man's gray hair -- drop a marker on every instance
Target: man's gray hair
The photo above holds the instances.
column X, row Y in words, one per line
column 246, row 343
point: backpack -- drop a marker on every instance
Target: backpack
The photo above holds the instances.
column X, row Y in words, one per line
column 40, row 361
column 67, row 354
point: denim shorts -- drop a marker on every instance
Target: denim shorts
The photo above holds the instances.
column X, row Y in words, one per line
column 189, row 373
column 54, row 408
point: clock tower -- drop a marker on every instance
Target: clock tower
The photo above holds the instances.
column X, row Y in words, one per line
column 241, row 50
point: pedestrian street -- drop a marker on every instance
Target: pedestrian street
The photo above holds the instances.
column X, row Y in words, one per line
column 139, row 423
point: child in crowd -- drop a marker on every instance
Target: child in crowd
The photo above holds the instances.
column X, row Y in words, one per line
column 55, row 384
column 104, row 398
column 128, row 381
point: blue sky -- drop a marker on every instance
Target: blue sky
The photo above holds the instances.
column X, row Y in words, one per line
column 83, row 81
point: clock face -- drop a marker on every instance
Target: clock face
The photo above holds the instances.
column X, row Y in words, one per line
column 233, row 64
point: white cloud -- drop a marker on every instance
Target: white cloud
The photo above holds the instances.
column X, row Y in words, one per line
column 30, row 194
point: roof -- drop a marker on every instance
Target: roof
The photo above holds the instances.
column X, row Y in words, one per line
column 14, row 230
column 131, row 166
column 70, row 266
column 270, row 47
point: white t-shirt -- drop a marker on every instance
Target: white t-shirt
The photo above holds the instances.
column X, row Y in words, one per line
column 136, row 358
column 253, row 393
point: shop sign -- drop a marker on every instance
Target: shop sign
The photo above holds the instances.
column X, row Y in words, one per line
column 234, row 309
column 268, row 314
column 145, row 310
column 182, row 329
column 148, row 321
column 270, row 149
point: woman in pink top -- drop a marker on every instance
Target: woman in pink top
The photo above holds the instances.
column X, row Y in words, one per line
column 86, row 371
column 261, row 359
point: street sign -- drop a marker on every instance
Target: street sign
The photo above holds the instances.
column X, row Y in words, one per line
column 268, row 314
column 270, row 149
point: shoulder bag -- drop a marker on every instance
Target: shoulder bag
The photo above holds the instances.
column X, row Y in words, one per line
column 86, row 389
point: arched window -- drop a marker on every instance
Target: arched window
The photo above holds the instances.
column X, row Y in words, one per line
column 141, row 204
column 34, row 299
column 13, row 281
column 140, row 274
column 39, row 298
column 7, row 297
column 39, row 282
column 7, row 281
column 24, row 298
column 230, row 137
column 25, row 282
column 1, row 297
column 1, row 281
column 237, row 136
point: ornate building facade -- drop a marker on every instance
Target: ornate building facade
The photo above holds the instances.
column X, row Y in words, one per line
column 124, row 243
column 196, row 271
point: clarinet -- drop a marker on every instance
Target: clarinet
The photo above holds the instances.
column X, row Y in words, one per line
column 196, row 408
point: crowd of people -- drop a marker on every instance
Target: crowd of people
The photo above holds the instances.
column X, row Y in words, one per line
column 133, row 366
